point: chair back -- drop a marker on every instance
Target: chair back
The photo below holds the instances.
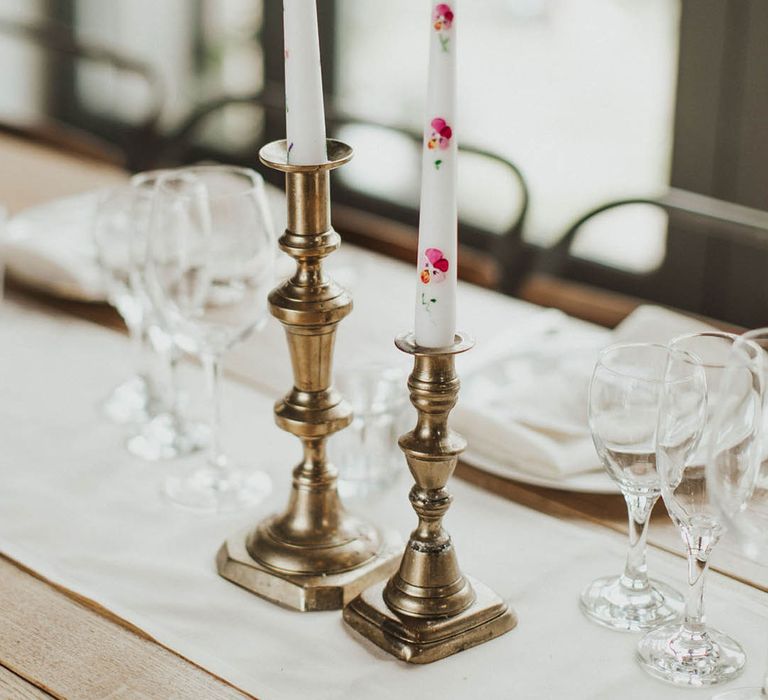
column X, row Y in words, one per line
column 383, row 180
column 712, row 256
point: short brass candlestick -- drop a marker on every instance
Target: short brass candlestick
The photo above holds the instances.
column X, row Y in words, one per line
column 428, row 609
column 313, row 556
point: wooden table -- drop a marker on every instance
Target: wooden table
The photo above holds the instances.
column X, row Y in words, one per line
column 54, row 643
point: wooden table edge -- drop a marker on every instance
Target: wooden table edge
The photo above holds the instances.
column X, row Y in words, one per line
column 111, row 616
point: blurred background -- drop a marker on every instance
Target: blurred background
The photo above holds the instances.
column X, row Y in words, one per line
column 612, row 150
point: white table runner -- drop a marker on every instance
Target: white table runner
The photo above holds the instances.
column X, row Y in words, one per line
column 78, row 509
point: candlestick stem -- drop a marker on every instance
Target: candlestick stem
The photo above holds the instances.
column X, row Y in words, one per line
column 429, row 609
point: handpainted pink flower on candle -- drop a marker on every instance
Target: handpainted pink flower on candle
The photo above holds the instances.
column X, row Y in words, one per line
column 442, row 20
column 442, row 16
column 433, row 266
column 441, row 134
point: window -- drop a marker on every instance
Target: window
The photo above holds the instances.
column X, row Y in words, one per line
column 163, row 44
column 594, row 100
column 23, row 93
column 194, row 50
column 200, row 50
column 580, row 95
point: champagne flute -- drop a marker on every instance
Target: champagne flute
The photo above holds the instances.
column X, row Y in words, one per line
column 737, row 464
column 692, row 653
column 623, row 403
column 210, row 266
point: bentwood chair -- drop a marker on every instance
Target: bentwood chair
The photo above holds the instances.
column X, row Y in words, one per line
column 713, row 260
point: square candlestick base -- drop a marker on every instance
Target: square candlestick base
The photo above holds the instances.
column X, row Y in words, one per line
column 305, row 592
column 422, row 641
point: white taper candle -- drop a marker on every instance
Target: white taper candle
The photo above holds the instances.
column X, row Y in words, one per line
column 304, row 115
column 436, row 285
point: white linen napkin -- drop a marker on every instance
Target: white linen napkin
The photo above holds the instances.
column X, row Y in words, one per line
column 655, row 324
column 50, row 246
column 526, row 406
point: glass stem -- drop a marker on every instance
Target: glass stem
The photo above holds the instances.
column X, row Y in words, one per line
column 136, row 337
column 764, row 688
column 173, row 400
column 212, row 367
column 639, row 510
column 699, row 546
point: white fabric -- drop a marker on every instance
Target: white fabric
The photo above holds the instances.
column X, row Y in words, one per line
column 655, row 324
column 524, row 401
column 51, row 247
column 77, row 508
column 526, row 404
column 525, row 385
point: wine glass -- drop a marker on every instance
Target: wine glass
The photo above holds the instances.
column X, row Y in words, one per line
column 166, row 433
column 210, row 266
column 148, row 401
column 114, row 229
column 623, row 402
column 737, row 464
column 692, row 653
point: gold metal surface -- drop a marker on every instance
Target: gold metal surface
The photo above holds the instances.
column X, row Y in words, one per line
column 309, row 591
column 428, row 609
column 314, row 555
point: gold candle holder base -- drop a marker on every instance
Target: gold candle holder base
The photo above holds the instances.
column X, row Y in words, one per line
column 424, row 640
column 428, row 609
column 314, row 555
column 305, row 592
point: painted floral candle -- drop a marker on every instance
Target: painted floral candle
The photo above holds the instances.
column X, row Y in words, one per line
column 436, row 285
column 304, row 115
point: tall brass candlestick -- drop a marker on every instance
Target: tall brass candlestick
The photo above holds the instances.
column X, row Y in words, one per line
column 313, row 556
column 428, row 609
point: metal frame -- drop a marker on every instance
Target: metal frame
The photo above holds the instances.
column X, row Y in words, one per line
column 687, row 278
